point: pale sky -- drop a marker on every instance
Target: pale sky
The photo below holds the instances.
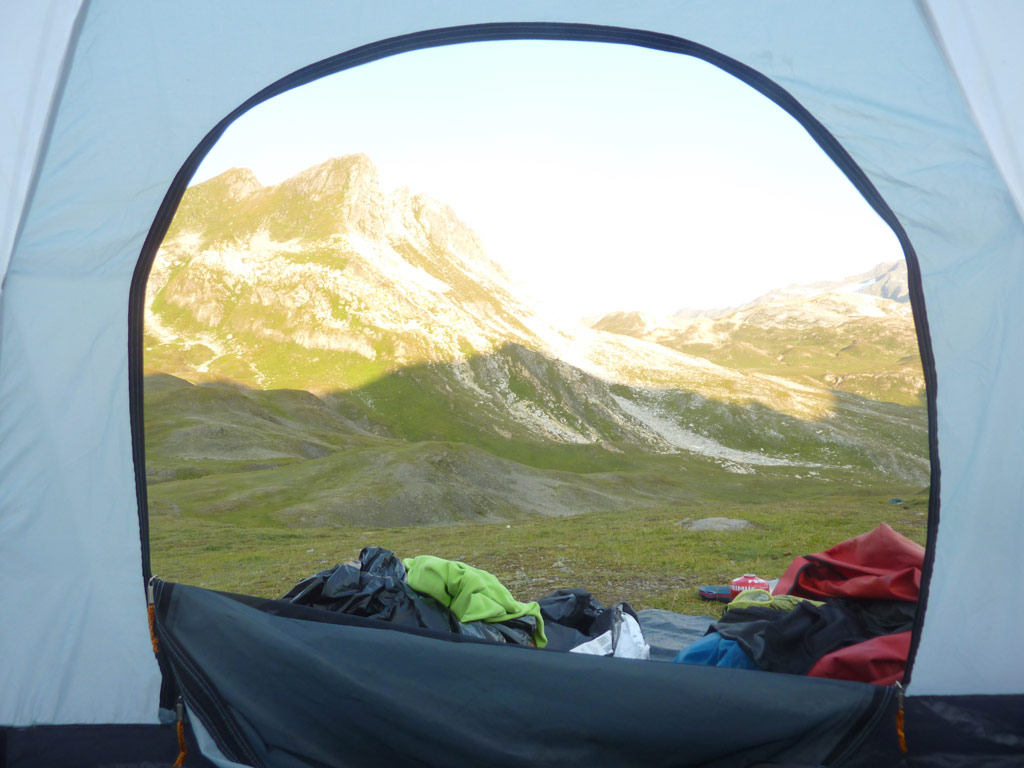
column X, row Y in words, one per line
column 603, row 177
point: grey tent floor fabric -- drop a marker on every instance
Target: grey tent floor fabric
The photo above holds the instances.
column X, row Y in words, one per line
column 279, row 692
column 668, row 633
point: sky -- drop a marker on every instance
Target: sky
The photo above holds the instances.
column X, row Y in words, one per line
column 602, row 177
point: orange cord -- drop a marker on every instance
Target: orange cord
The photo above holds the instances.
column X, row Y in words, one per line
column 182, row 747
column 151, row 610
column 901, row 731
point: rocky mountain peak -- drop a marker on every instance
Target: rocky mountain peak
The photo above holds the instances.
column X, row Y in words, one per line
column 890, row 281
column 887, row 280
column 347, row 174
column 447, row 232
column 234, row 184
column 339, row 196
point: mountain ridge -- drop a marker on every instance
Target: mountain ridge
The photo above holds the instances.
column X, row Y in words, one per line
column 388, row 309
column 848, row 335
column 887, row 280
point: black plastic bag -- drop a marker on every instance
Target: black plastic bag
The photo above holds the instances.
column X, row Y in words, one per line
column 376, row 588
column 574, row 616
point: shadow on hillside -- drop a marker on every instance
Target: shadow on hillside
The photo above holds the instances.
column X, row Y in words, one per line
column 386, row 463
column 519, row 405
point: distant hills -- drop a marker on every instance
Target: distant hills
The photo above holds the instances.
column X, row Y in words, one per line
column 855, row 335
column 887, row 281
column 328, row 350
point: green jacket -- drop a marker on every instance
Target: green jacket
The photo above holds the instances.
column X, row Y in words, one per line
column 760, row 598
column 470, row 593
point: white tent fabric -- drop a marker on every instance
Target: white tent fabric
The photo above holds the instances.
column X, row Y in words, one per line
column 982, row 42
column 34, row 38
column 147, row 81
column 968, row 637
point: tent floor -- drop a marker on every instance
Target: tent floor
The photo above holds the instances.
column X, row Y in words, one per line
column 92, row 746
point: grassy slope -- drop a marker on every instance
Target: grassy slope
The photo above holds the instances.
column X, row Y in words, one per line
column 863, row 357
column 253, row 520
column 281, row 457
column 866, row 356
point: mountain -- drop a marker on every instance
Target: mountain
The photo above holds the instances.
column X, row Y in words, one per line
column 855, row 335
column 326, row 335
column 347, row 280
column 887, row 280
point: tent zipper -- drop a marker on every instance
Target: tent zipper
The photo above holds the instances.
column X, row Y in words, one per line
column 202, row 699
column 853, row 741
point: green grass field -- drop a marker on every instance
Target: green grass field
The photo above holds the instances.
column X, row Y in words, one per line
column 645, row 558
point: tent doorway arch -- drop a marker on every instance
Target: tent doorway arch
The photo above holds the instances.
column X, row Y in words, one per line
column 532, row 32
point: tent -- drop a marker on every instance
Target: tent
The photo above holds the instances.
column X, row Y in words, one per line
column 108, row 106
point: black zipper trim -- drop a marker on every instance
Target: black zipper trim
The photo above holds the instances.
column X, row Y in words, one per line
column 536, row 31
column 198, row 691
column 861, row 729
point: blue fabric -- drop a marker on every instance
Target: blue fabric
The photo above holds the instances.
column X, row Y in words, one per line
column 715, row 651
